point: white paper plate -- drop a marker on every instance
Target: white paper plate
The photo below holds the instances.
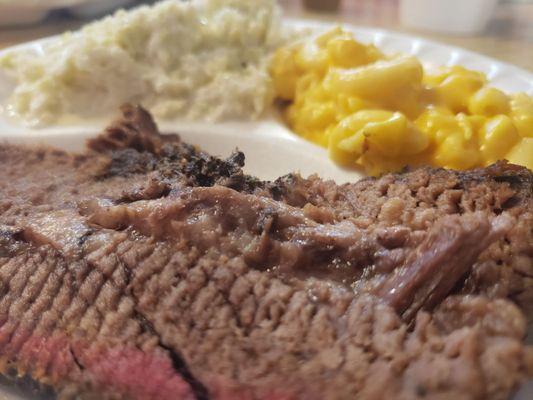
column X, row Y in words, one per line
column 271, row 149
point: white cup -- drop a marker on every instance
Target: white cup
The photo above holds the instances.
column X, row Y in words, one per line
column 447, row 16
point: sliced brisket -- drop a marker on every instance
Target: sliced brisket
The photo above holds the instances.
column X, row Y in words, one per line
column 147, row 269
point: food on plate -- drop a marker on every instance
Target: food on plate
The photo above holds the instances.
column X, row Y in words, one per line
column 195, row 60
column 382, row 113
column 145, row 268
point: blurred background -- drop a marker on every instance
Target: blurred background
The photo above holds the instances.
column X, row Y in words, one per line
column 502, row 29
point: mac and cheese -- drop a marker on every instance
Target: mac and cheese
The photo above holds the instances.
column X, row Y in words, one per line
column 382, row 113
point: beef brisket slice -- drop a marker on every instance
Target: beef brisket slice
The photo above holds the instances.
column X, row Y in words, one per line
column 146, row 269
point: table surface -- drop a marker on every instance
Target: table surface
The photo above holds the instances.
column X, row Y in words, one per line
column 509, row 36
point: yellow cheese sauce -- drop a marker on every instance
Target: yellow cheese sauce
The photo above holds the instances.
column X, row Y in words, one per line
column 381, row 113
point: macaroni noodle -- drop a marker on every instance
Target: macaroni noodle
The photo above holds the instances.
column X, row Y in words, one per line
column 382, row 113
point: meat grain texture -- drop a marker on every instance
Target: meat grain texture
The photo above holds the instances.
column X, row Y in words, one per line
column 147, row 269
